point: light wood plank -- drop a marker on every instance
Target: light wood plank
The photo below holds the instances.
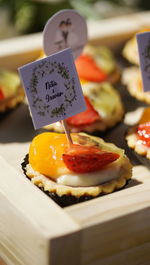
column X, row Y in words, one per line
column 20, row 45
column 30, row 220
column 116, row 204
column 2, row 262
column 117, row 30
column 116, row 226
column 135, row 256
column 111, row 206
column 112, row 242
column 21, row 50
column 18, row 51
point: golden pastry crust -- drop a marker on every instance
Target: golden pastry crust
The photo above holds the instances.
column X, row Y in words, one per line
column 12, row 101
column 51, row 186
column 131, row 77
column 130, row 51
column 135, row 144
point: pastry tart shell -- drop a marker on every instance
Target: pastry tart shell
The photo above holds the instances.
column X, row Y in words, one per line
column 67, row 195
column 130, row 78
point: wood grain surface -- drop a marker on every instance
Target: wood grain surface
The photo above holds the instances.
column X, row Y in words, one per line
column 2, row 262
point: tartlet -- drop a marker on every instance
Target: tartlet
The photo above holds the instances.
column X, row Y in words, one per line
column 11, row 92
column 138, row 137
column 104, row 110
column 131, row 77
column 86, row 170
column 130, row 50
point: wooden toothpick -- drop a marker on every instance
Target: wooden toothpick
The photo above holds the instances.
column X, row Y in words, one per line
column 64, row 124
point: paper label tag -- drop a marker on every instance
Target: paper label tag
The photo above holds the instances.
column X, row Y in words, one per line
column 143, row 40
column 52, row 88
column 66, row 29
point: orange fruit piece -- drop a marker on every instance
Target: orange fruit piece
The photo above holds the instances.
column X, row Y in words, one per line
column 45, row 153
column 145, row 116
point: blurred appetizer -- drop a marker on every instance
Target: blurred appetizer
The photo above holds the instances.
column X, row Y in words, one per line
column 97, row 64
column 138, row 137
column 131, row 77
column 104, row 110
column 78, row 172
column 11, row 92
column 130, row 50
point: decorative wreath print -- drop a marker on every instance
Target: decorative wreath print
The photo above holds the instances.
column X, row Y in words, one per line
column 146, row 54
column 40, row 71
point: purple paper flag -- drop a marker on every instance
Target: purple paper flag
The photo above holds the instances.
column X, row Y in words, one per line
column 53, row 89
column 143, row 40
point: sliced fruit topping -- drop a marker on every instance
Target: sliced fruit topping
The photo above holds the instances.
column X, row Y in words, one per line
column 88, row 70
column 50, row 154
column 143, row 133
column 85, row 159
column 145, row 116
column 45, row 154
column 1, row 94
column 86, row 117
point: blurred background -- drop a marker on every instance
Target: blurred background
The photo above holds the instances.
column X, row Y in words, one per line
column 19, row 17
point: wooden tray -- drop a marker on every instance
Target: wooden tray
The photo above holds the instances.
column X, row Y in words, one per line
column 112, row 229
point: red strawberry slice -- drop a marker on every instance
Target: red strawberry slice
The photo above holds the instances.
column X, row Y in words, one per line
column 143, row 133
column 1, row 94
column 86, row 117
column 88, row 70
column 88, row 159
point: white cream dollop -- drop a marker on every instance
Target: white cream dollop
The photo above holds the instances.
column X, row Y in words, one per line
column 90, row 179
